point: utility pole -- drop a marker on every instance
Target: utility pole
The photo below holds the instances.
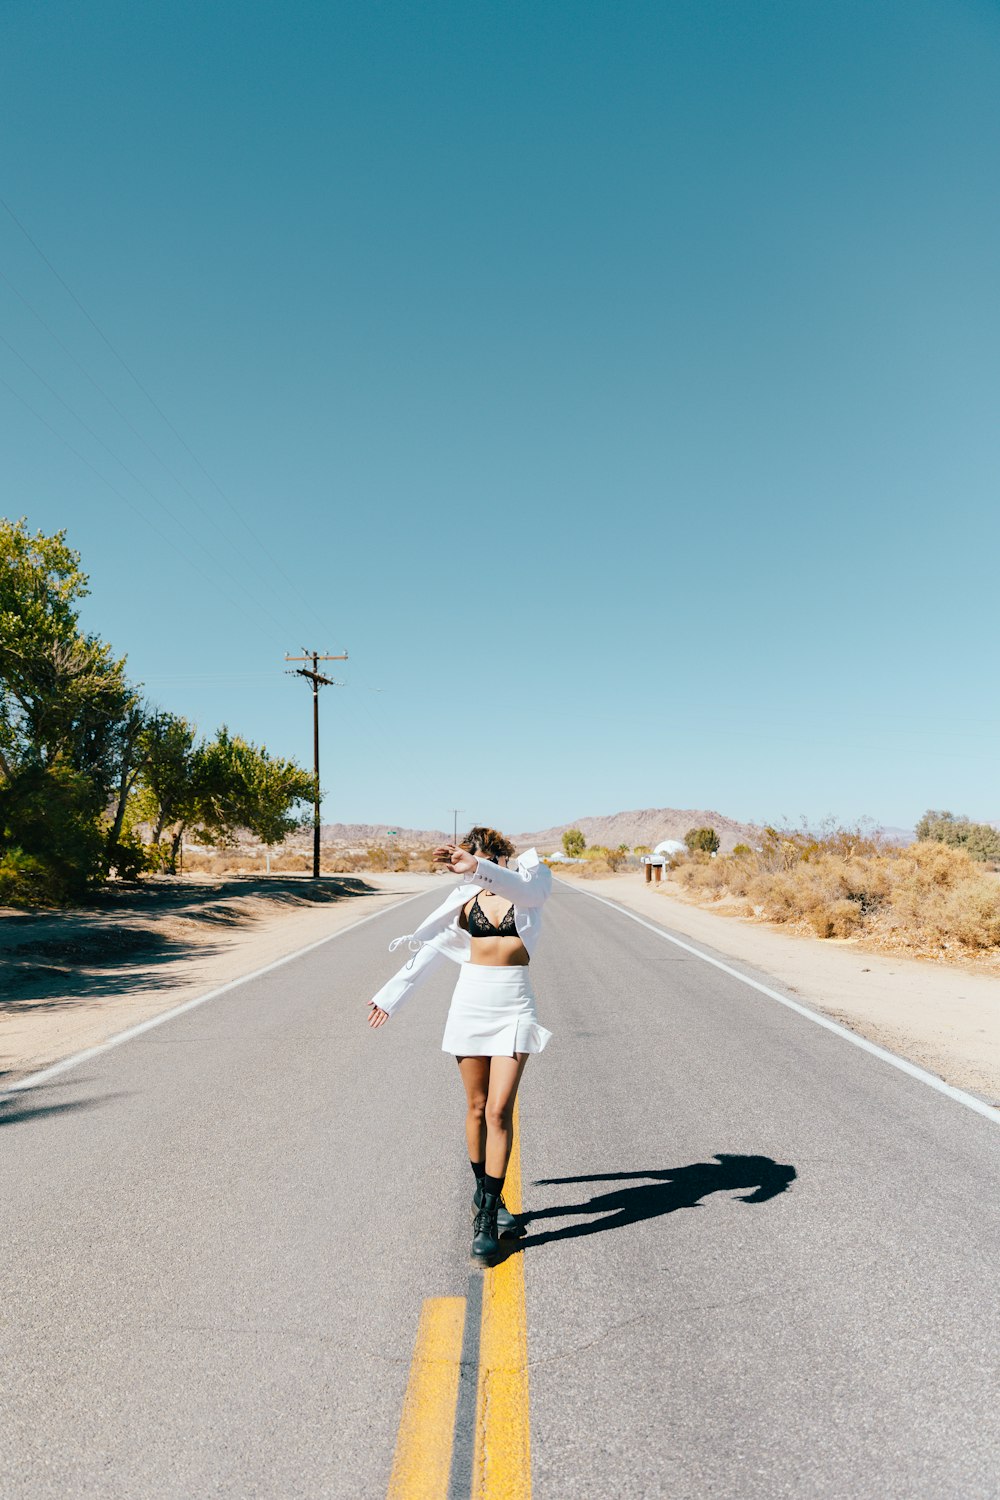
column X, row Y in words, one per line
column 317, row 679
column 456, row 811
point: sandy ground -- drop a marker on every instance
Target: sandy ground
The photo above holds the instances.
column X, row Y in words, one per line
column 69, row 980
column 946, row 1020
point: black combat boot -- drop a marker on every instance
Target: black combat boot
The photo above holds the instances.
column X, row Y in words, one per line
column 508, row 1227
column 485, row 1240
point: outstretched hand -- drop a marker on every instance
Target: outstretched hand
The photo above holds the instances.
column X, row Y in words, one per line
column 459, row 860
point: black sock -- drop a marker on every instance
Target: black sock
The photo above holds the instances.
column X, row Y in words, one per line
column 492, row 1184
column 479, row 1167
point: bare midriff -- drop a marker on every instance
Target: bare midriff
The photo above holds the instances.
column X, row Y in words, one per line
column 495, row 952
column 499, row 952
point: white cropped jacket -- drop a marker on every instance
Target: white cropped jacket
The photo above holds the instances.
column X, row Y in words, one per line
column 527, row 884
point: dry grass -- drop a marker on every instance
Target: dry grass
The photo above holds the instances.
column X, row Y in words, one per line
column 928, row 900
column 591, row 869
column 295, row 861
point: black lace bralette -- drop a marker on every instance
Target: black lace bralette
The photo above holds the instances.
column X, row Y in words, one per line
column 481, row 926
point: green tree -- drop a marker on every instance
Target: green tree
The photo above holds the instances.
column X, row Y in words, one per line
column 64, row 700
column 705, row 840
column 131, row 752
column 573, row 843
column 245, row 787
column 221, row 787
column 40, row 583
column 276, row 789
column 980, row 840
column 62, row 691
column 934, row 825
column 84, row 763
column 171, row 784
column 50, row 819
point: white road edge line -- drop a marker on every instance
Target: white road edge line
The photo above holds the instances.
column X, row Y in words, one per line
column 31, row 1079
column 959, row 1095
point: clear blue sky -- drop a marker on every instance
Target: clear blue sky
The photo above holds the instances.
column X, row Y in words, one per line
column 616, row 383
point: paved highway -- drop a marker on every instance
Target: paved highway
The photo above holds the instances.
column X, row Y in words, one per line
column 761, row 1261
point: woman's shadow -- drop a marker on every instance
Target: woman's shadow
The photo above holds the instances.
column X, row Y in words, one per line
column 663, row 1192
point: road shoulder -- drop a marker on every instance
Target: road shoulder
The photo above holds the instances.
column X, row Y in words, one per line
column 74, row 979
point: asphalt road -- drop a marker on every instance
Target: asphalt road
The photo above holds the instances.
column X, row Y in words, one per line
column 761, row 1262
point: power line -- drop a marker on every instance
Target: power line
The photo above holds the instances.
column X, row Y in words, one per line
column 205, row 676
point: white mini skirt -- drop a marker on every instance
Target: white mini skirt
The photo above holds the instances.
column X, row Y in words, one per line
column 492, row 1013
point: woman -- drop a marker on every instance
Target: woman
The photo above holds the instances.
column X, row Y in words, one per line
column 489, row 925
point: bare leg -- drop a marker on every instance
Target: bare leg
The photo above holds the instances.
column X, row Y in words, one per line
column 504, row 1077
column 475, row 1073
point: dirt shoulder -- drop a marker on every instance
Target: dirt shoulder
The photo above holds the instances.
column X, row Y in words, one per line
column 71, row 979
column 944, row 1018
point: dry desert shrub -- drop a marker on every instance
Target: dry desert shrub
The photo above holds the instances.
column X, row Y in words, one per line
column 592, row 868
column 423, row 860
column 929, row 899
column 934, row 865
column 207, row 862
column 725, row 876
column 290, row 863
column 943, row 898
column 342, row 864
column 833, row 894
column 380, row 858
column 254, row 862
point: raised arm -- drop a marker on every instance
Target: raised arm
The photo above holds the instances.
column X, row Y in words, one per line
column 524, row 886
column 528, row 884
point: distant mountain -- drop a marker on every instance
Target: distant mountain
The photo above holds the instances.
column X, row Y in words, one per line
column 648, row 825
column 900, row 836
column 364, row 835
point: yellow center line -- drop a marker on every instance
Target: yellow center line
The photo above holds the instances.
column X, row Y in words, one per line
column 502, row 1462
column 501, row 1451
column 426, row 1428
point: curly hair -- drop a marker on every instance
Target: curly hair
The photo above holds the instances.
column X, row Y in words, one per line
column 488, row 842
